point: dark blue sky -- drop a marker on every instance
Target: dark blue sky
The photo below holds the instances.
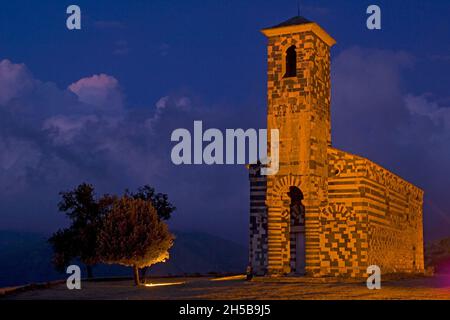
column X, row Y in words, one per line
column 205, row 40
column 206, row 60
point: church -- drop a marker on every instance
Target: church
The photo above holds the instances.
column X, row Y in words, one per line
column 326, row 212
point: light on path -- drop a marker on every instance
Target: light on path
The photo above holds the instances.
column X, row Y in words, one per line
column 238, row 277
column 164, row 284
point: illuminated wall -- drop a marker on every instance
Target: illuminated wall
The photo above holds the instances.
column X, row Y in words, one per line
column 373, row 218
column 357, row 213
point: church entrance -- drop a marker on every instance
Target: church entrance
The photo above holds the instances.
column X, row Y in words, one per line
column 297, row 232
column 300, row 261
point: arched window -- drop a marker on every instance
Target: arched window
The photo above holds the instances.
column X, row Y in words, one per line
column 291, row 62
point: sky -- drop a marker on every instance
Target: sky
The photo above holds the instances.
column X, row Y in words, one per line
column 99, row 104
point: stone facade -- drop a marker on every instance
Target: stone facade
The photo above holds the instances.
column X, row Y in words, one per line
column 355, row 212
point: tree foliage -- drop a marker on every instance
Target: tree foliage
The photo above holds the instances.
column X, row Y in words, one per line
column 65, row 249
column 160, row 201
column 86, row 214
column 132, row 234
column 128, row 230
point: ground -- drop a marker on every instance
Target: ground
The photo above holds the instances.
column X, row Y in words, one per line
column 437, row 287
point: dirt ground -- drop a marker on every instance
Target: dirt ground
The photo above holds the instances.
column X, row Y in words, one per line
column 437, row 287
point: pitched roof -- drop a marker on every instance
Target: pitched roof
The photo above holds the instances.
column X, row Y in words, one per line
column 299, row 24
column 297, row 20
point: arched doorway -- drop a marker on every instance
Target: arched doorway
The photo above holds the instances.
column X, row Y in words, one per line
column 297, row 232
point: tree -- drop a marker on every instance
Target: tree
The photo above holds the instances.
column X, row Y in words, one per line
column 133, row 235
column 79, row 240
column 160, row 201
column 64, row 248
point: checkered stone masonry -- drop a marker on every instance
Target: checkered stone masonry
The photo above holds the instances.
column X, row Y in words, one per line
column 258, row 221
column 299, row 107
column 357, row 213
column 386, row 211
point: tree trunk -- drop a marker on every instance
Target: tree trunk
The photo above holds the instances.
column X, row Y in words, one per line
column 136, row 275
column 143, row 273
column 89, row 271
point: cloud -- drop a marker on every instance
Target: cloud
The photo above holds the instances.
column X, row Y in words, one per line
column 409, row 133
column 52, row 139
column 99, row 90
column 50, row 132
column 17, row 155
column 177, row 102
column 180, row 102
column 423, row 106
column 15, row 80
column 64, row 129
column 368, row 102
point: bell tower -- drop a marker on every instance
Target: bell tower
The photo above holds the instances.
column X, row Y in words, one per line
column 298, row 95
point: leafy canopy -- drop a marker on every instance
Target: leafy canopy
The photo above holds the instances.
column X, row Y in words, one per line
column 133, row 235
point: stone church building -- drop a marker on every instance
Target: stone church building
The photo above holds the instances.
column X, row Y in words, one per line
column 326, row 212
